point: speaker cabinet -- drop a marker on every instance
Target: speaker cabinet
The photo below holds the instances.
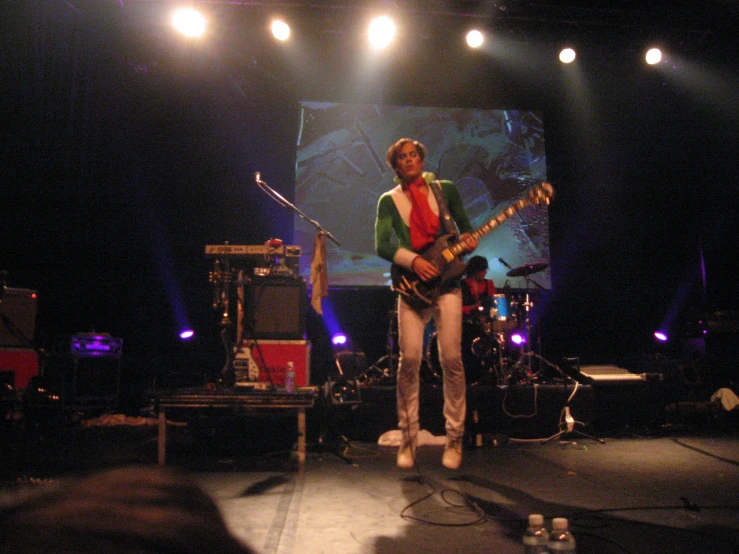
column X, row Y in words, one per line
column 275, row 309
column 82, row 382
column 18, row 318
column 85, row 370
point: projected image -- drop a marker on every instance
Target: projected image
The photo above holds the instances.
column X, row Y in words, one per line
column 492, row 156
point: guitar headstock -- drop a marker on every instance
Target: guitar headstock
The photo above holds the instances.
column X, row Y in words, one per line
column 541, row 193
column 534, row 195
column 537, row 194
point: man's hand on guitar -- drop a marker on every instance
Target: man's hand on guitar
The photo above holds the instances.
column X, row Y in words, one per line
column 424, row 269
column 470, row 243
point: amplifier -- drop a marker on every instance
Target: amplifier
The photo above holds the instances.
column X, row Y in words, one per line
column 18, row 318
column 275, row 309
column 84, row 382
column 85, row 370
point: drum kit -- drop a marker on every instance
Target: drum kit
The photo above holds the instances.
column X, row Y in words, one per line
column 490, row 351
column 495, row 340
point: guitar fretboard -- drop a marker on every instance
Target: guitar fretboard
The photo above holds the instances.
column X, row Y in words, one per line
column 539, row 195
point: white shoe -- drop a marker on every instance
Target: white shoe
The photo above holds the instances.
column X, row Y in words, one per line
column 407, row 454
column 452, row 457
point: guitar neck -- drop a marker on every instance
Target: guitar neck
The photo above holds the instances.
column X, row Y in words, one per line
column 422, row 295
column 458, row 248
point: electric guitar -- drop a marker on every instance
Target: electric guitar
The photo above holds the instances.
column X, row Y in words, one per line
column 446, row 251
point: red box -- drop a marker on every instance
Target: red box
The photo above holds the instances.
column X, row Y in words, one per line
column 250, row 361
column 22, row 362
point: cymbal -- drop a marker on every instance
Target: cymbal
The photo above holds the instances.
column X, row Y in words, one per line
column 528, row 269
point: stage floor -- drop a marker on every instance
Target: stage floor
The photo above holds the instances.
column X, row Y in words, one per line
column 628, row 495
column 674, row 491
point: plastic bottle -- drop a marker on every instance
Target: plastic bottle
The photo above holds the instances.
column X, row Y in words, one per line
column 561, row 540
column 536, row 536
column 290, row 377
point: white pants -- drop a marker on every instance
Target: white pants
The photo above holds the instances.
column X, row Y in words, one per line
column 447, row 315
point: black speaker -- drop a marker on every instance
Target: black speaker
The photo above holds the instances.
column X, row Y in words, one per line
column 17, row 317
column 84, row 382
column 84, row 370
column 275, row 309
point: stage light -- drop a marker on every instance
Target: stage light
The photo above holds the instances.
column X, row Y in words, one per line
column 381, row 32
column 280, row 30
column 339, row 340
column 187, row 334
column 653, row 56
column 661, row 336
column 518, row 339
column 475, row 39
column 567, row 55
column 189, row 22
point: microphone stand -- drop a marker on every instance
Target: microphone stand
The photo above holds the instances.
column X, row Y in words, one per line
column 282, row 201
column 320, row 231
column 277, row 197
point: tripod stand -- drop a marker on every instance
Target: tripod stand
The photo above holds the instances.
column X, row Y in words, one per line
column 525, row 361
column 340, row 392
column 570, row 423
column 330, row 440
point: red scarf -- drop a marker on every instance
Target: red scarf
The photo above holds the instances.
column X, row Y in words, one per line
column 424, row 222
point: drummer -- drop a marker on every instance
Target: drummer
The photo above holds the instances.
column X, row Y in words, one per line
column 477, row 292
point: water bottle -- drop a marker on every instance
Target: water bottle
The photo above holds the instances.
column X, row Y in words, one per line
column 561, row 540
column 536, row 536
column 290, row 377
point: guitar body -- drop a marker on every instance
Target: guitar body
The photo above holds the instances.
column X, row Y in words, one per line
column 424, row 293
column 446, row 252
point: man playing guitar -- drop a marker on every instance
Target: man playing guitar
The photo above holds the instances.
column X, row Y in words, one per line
column 408, row 222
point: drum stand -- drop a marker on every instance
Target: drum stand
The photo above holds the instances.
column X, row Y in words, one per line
column 502, row 372
column 525, row 361
column 528, row 352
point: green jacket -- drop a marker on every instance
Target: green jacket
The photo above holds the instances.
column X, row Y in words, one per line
column 392, row 224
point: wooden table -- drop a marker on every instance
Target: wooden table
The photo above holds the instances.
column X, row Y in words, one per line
column 246, row 400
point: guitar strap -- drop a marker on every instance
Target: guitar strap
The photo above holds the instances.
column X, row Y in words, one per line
column 445, row 216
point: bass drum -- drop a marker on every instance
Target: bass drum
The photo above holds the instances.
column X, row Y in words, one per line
column 475, row 351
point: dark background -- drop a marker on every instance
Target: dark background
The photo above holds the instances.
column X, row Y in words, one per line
column 125, row 150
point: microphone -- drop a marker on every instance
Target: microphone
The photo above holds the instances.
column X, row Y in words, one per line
column 258, row 177
column 505, row 263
